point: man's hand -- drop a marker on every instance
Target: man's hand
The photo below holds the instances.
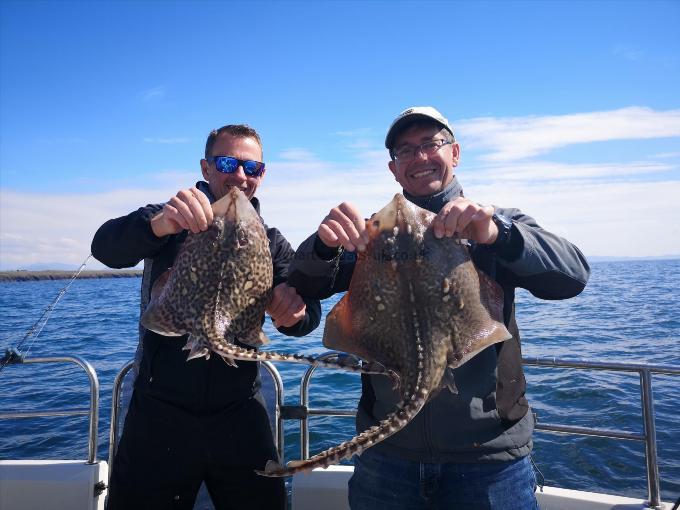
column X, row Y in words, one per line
column 344, row 226
column 188, row 210
column 467, row 219
column 286, row 307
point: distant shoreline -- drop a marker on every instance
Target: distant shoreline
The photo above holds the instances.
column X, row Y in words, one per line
column 21, row 276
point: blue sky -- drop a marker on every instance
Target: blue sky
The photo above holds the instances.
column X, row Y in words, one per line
column 567, row 110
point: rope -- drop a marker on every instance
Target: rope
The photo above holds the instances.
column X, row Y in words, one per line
column 14, row 355
column 540, row 479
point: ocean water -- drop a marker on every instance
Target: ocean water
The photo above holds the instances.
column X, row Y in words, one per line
column 628, row 313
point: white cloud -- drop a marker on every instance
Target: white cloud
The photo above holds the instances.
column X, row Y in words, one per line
column 629, row 219
column 152, row 94
column 298, row 156
column 297, row 207
column 37, row 228
column 552, row 171
column 514, row 138
column 605, row 208
column 666, row 155
column 629, row 52
column 602, row 218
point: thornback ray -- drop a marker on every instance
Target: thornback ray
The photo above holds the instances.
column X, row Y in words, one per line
column 416, row 305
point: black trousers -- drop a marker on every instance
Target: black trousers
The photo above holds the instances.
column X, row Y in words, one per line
column 165, row 453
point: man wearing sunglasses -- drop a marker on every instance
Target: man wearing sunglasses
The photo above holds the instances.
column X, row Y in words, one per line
column 202, row 420
column 464, row 450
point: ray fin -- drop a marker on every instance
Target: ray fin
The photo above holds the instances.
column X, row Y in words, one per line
column 155, row 317
column 338, row 332
column 160, row 283
column 488, row 327
column 449, row 381
column 491, row 296
column 196, row 348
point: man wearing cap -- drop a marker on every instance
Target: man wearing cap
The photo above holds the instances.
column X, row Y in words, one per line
column 468, row 450
column 200, row 420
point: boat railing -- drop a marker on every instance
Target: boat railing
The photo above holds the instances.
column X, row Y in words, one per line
column 92, row 411
column 648, row 436
column 303, row 411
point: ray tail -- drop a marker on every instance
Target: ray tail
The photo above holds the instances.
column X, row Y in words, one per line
column 234, row 352
column 392, row 424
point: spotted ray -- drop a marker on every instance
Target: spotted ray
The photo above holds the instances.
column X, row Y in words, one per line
column 417, row 305
column 218, row 289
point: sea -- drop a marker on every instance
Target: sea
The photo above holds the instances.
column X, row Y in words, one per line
column 627, row 313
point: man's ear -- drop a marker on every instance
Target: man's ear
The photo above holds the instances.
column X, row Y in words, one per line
column 205, row 169
column 455, row 152
column 393, row 167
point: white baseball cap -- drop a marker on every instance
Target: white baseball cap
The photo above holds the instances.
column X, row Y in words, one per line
column 411, row 114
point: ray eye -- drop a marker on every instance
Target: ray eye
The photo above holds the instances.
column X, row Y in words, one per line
column 241, row 236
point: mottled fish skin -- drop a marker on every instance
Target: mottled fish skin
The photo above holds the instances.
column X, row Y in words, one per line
column 221, row 281
column 416, row 305
column 219, row 287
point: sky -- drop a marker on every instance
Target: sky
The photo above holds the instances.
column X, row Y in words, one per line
column 569, row 111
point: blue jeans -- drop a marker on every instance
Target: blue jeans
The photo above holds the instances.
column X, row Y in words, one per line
column 380, row 482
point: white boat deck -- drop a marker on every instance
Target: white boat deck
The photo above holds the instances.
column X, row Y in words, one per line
column 72, row 485
column 52, row 484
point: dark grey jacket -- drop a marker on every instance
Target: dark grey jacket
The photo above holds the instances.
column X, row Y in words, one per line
column 489, row 419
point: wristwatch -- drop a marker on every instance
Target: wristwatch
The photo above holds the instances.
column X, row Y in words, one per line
column 504, row 225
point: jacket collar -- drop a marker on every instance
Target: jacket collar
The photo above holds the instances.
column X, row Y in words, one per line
column 436, row 201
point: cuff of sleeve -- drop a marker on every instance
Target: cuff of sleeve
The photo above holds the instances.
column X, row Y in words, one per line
column 150, row 237
column 325, row 252
column 511, row 248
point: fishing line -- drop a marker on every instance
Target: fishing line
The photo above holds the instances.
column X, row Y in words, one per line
column 13, row 354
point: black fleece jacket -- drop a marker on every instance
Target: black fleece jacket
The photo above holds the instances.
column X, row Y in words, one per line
column 199, row 385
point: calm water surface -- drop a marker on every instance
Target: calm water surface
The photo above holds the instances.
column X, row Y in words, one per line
column 628, row 313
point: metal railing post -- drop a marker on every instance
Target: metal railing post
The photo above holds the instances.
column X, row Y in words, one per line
column 653, row 488
column 278, row 391
column 115, row 404
column 304, row 402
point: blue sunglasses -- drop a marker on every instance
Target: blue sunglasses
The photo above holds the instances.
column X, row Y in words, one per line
column 229, row 165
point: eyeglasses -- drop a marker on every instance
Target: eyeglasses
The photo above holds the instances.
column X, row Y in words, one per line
column 407, row 153
column 229, row 165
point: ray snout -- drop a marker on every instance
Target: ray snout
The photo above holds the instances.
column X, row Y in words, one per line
column 233, row 206
column 399, row 213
